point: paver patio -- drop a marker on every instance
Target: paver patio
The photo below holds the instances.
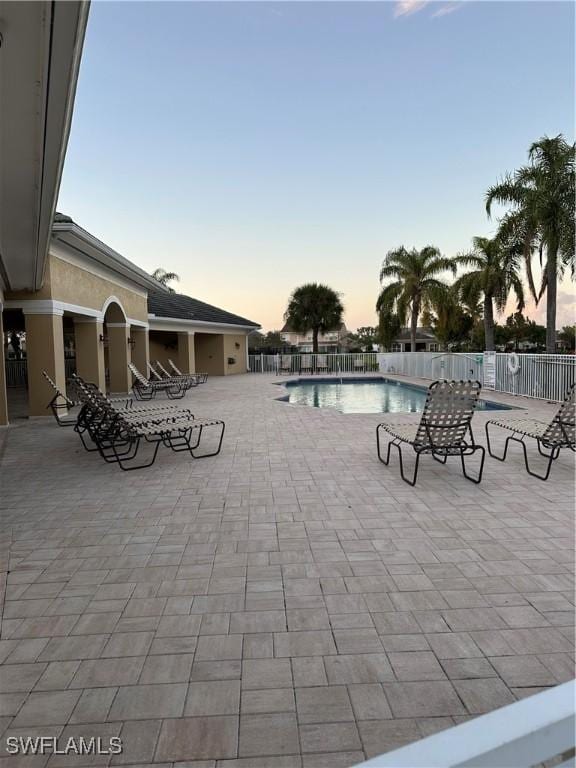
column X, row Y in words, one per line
column 290, row 602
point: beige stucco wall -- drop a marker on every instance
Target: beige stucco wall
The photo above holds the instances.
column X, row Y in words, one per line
column 158, row 341
column 239, row 353
column 45, row 352
column 209, row 353
column 74, row 285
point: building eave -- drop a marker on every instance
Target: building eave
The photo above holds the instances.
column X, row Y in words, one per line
column 93, row 249
column 155, row 322
column 39, row 64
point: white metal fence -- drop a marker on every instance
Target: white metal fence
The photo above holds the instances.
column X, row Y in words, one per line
column 17, row 371
column 542, row 376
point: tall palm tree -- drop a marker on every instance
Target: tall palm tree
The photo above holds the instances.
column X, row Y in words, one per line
column 495, row 272
column 542, row 198
column 164, row 278
column 314, row 307
column 416, row 283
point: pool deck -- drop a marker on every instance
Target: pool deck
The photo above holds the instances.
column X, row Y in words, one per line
column 290, row 603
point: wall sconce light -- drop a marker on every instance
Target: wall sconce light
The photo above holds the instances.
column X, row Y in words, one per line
column 103, row 339
column 237, row 345
column 131, row 343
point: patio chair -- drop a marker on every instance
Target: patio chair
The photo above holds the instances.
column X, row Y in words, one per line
column 190, row 378
column 62, row 404
column 444, row 428
column 146, row 389
column 305, row 363
column 201, row 378
column 550, row 436
column 321, row 364
column 359, row 364
column 118, row 437
column 285, row 364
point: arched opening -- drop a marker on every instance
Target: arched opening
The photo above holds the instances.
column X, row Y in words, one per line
column 116, row 346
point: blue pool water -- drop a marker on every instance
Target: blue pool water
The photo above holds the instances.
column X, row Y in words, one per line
column 376, row 395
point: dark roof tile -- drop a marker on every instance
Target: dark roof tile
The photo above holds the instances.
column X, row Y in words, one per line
column 186, row 308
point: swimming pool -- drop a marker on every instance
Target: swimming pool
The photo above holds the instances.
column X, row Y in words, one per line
column 366, row 395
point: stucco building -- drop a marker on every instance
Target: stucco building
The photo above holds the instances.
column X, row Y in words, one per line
column 59, row 284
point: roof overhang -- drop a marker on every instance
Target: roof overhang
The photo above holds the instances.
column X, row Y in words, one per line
column 40, row 51
column 98, row 253
column 156, row 323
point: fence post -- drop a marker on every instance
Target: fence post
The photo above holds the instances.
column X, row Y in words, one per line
column 261, row 363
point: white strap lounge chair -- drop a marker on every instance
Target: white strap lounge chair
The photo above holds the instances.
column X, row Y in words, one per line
column 305, row 363
column 118, row 438
column 321, row 364
column 444, row 429
column 359, row 364
column 201, row 378
column 146, row 389
column 550, row 436
column 189, row 378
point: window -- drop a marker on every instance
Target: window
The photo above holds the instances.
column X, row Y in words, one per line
column 396, row 347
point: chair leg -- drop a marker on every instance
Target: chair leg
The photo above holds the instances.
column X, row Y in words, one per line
column 143, row 465
column 212, row 453
column 489, row 445
column 480, row 470
column 385, row 461
column 440, row 460
column 554, row 453
column 415, row 473
column 552, row 456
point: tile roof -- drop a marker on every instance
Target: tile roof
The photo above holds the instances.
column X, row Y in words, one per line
column 183, row 307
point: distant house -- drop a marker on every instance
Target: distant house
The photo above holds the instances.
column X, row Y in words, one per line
column 426, row 341
column 331, row 341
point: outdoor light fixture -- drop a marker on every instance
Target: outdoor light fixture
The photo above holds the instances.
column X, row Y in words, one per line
column 103, row 339
column 131, row 343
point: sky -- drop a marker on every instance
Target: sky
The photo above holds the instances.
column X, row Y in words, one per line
column 255, row 146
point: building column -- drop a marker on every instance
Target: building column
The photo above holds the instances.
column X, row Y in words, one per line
column 119, row 357
column 186, row 355
column 140, row 348
column 44, row 352
column 90, row 350
column 3, row 398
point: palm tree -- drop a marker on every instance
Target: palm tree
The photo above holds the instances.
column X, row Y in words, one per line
column 314, row 307
column 542, row 198
column 416, row 284
column 495, row 272
column 164, row 278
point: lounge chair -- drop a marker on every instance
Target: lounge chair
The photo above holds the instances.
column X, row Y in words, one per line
column 550, row 436
column 118, row 436
column 285, row 364
column 146, row 389
column 444, row 428
column 321, row 364
column 190, row 378
column 201, row 378
column 61, row 404
column 305, row 363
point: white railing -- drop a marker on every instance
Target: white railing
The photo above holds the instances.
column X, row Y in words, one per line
column 542, row 376
column 524, row 734
column 17, row 371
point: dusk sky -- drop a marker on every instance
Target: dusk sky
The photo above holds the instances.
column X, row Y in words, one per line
column 252, row 147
